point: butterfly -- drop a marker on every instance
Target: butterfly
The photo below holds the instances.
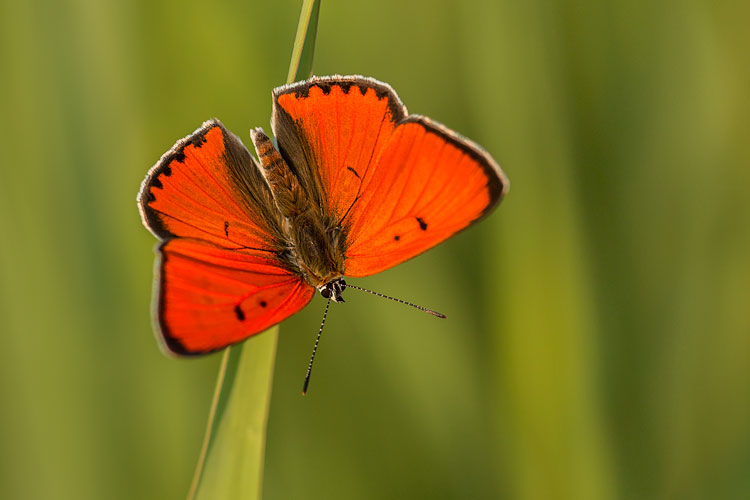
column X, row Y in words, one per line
column 353, row 185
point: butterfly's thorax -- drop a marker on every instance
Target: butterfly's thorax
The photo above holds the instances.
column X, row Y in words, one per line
column 354, row 184
column 315, row 241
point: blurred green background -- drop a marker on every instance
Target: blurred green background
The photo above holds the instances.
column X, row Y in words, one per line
column 598, row 340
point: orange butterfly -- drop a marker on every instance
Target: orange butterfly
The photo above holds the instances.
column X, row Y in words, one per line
column 355, row 185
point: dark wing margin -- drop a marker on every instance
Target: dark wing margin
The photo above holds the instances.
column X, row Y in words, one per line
column 497, row 182
column 398, row 184
column 330, row 131
column 207, row 298
column 430, row 184
column 208, row 186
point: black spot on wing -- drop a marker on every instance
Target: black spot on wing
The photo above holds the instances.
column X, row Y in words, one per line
column 226, row 228
column 198, row 140
column 327, row 86
column 239, row 313
column 397, row 237
column 422, row 224
column 156, row 183
column 263, row 303
column 354, row 172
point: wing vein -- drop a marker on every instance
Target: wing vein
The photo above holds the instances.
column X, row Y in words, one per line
column 221, row 187
column 219, row 235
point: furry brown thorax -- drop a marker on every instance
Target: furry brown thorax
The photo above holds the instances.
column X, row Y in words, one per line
column 316, row 240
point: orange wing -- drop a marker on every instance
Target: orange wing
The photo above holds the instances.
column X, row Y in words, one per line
column 399, row 184
column 210, row 297
column 429, row 184
column 219, row 280
column 331, row 131
column 209, row 187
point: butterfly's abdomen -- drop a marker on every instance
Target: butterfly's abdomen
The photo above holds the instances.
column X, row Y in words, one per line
column 290, row 198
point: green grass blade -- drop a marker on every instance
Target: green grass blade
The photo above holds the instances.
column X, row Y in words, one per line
column 231, row 461
column 300, row 67
column 231, row 464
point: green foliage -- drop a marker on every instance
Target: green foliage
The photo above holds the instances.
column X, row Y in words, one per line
column 597, row 340
column 231, row 465
column 300, row 67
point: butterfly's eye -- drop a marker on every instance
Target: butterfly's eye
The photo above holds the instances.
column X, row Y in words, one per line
column 326, row 292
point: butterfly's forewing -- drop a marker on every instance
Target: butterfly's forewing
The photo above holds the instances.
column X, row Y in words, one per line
column 210, row 297
column 331, row 130
column 429, row 184
column 209, row 187
column 401, row 184
column 218, row 278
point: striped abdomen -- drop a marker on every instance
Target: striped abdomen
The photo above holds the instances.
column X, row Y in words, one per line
column 287, row 191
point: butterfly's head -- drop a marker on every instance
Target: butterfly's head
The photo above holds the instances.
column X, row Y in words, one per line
column 333, row 289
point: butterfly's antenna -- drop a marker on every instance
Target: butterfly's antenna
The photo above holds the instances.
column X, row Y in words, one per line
column 434, row 313
column 315, row 348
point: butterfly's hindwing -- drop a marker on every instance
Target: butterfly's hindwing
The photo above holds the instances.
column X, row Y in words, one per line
column 221, row 275
column 356, row 186
column 210, row 297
